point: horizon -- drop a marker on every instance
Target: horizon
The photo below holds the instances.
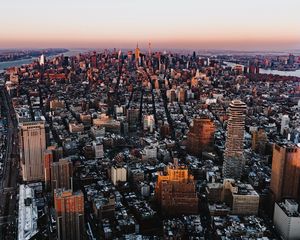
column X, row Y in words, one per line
column 222, row 25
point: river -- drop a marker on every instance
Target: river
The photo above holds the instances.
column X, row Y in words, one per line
column 20, row 62
column 269, row 71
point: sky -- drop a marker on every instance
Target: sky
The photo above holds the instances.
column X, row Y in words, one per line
column 193, row 24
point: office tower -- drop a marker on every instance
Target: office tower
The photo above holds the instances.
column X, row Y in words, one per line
column 137, row 53
column 149, row 49
column 61, row 174
column 257, row 69
column 133, row 118
column 181, row 95
column 285, row 120
column 201, row 135
column 93, row 60
column 69, row 207
column 32, row 147
column 285, row 178
column 252, row 69
column 176, row 192
column 259, row 141
column 291, row 59
column 48, row 160
column 42, row 60
column 234, row 146
column 149, row 123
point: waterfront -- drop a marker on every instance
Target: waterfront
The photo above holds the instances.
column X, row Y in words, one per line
column 20, row 62
column 73, row 52
column 269, row 71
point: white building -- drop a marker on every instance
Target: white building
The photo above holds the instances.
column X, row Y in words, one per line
column 118, row 174
column 149, row 123
column 98, row 147
column 28, row 213
column 287, row 219
column 149, row 152
column 285, row 120
column 42, row 59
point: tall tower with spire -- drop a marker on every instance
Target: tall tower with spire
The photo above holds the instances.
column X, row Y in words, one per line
column 137, row 52
column 149, row 49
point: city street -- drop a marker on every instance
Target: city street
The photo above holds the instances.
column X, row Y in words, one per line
column 8, row 186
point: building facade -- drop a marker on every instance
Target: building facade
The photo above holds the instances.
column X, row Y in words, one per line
column 32, row 147
column 234, row 146
column 61, row 174
column 287, row 219
column 285, row 178
column 69, row 207
column 176, row 191
column 118, row 174
column 201, row 135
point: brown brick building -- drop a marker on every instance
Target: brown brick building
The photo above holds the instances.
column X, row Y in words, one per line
column 176, row 191
column 69, row 209
column 201, row 135
column 285, row 179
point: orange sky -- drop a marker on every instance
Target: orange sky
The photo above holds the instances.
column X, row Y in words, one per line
column 230, row 24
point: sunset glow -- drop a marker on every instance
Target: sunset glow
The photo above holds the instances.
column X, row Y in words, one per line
column 249, row 25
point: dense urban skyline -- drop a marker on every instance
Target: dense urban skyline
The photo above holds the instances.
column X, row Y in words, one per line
column 134, row 119
column 235, row 25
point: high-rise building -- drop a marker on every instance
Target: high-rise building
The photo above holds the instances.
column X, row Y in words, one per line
column 33, row 145
column 181, row 95
column 52, row 154
column 201, row 135
column 234, row 146
column 69, row 207
column 48, row 160
column 133, row 117
column 176, row 191
column 285, row 178
column 93, row 60
column 285, row 121
column 137, row 53
column 61, row 174
column 118, row 174
column 259, row 141
column 42, row 60
column 149, row 122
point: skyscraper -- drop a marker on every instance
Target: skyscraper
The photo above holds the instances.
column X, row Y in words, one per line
column 61, row 174
column 285, row 178
column 259, row 141
column 200, row 136
column 48, row 159
column 234, row 146
column 285, row 121
column 33, row 145
column 42, row 60
column 137, row 53
column 69, row 207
